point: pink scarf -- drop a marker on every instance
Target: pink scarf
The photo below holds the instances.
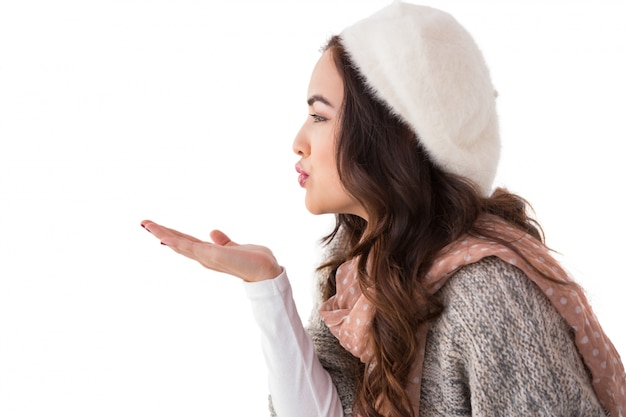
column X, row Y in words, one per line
column 348, row 313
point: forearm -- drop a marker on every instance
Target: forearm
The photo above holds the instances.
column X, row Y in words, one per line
column 298, row 383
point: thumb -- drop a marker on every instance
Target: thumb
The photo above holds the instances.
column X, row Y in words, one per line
column 220, row 238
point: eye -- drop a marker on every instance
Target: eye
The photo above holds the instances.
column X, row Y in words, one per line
column 317, row 118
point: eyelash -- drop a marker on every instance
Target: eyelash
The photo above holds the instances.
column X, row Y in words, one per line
column 317, row 118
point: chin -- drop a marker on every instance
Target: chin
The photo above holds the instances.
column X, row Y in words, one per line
column 314, row 208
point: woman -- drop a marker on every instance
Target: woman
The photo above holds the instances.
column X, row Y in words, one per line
column 438, row 295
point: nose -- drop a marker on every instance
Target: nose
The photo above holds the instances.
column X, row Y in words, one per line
column 301, row 146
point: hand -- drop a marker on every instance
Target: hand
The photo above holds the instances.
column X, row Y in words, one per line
column 248, row 262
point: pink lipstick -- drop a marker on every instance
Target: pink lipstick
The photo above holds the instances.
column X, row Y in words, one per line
column 303, row 175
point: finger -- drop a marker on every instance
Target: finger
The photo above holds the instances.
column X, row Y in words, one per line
column 210, row 256
column 220, row 238
column 165, row 233
column 146, row 223
column 183, row 246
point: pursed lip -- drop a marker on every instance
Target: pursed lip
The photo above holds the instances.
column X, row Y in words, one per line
column 303, row 175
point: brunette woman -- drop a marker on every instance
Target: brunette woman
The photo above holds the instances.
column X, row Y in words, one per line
column 438, row 296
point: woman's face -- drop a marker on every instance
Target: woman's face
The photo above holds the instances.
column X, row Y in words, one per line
column 315, row 143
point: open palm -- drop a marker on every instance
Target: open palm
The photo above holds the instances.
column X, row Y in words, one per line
column 248, row 262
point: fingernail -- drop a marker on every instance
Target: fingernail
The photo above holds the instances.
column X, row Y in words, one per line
column 163, row 244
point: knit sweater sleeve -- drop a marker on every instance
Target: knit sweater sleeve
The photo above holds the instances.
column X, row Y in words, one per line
column 344, row 368
column 300, row 386
column 500, row 348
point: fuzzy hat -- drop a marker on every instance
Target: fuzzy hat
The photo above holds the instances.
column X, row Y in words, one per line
column 428, row 70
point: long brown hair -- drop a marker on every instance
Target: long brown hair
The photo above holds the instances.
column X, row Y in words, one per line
column 414, row 209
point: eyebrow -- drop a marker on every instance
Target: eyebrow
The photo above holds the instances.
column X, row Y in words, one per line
column 316, row 97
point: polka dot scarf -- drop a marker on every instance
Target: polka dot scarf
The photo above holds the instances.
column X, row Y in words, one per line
column 348, row 313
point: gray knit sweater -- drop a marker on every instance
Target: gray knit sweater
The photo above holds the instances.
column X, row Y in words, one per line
column 498, row 349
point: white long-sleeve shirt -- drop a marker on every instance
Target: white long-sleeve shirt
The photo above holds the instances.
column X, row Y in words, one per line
column 298, row 383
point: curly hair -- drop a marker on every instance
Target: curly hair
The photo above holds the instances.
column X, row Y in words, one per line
column 414, row 209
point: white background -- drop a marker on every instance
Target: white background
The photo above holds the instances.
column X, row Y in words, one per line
column 184, row 112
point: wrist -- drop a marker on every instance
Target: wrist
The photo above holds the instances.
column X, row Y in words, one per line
column 270, row 273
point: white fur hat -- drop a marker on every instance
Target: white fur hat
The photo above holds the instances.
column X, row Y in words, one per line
column 429, row 71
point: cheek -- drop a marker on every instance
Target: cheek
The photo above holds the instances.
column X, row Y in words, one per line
column 327, row 151
column 330, row 167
